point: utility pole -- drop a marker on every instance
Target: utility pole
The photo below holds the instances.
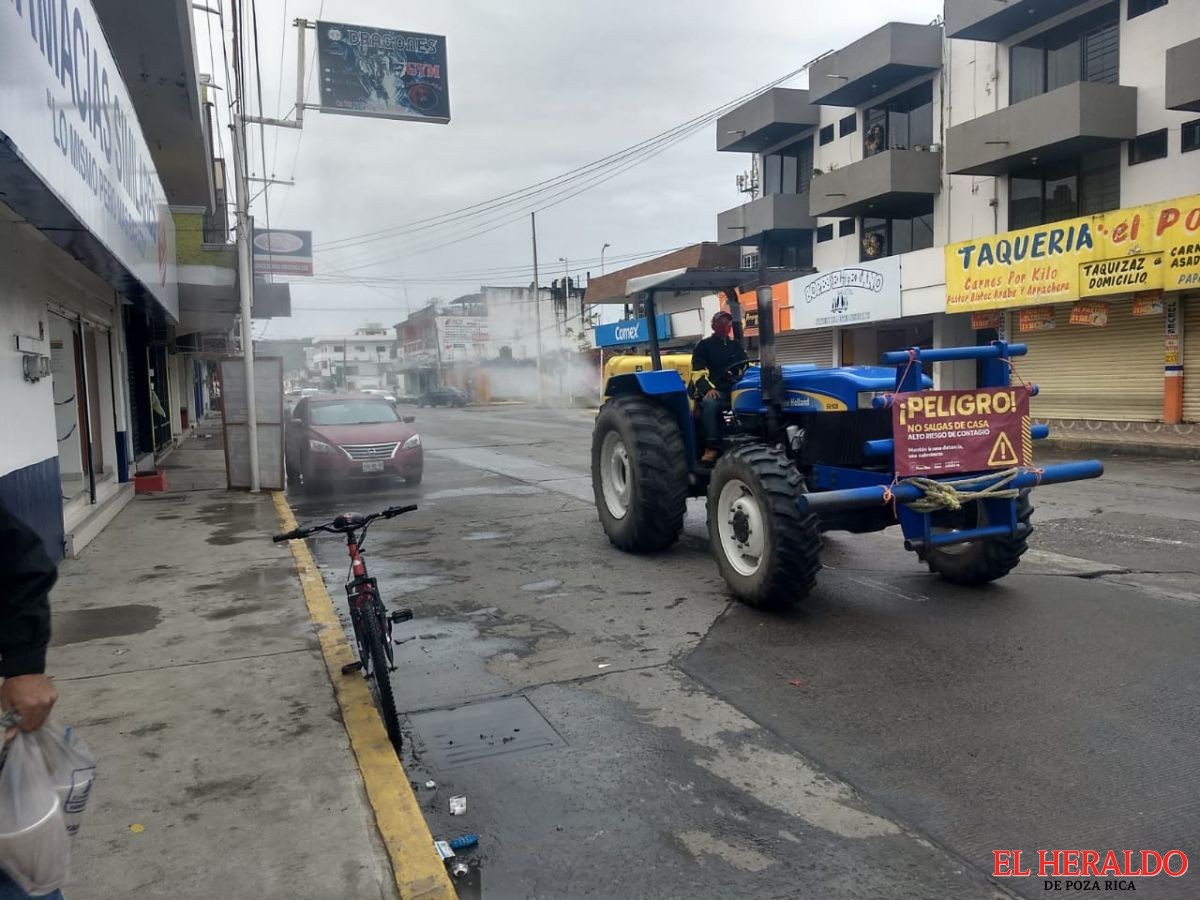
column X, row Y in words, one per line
column 537, row 306
column 602, row 249
column 245, row 269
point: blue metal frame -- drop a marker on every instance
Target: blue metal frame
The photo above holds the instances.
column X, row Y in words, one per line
column 838, row 489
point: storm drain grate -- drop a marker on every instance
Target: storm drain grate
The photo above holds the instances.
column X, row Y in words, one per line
column 469, row 734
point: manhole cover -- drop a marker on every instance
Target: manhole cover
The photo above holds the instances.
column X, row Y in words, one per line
column 469, row 734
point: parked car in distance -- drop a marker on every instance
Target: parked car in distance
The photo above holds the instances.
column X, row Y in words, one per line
column 338, row 437
column 379, row 392
column 442, row 396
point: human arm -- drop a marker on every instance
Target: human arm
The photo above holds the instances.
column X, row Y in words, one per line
column 26, row 576
column 702, row 377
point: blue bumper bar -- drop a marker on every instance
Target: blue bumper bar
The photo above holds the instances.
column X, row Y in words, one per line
column 876, row 495
column 886, row 446
column 994, row 350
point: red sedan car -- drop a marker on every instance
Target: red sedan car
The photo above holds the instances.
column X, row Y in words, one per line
column 335, row 437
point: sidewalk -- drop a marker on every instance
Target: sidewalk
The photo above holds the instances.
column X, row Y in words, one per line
column 1152, row 440
column 185, row 656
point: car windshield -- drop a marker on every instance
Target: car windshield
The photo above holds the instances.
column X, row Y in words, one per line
column 353, row 412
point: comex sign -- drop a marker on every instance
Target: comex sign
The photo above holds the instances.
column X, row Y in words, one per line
column 631, row 331
column 65, row 109
column 866, row 293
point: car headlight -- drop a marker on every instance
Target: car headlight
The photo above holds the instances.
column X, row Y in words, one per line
column 319, row 447
column 414, row 441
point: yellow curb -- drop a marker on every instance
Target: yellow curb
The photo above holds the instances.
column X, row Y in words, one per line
column 419, row 873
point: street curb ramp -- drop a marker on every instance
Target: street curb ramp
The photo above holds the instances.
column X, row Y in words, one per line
column 419, row 873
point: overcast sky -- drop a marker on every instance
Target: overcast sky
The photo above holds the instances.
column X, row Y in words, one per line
column 537, row 87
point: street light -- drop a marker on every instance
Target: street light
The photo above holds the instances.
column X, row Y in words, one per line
column 566, row 281
column 602, row 249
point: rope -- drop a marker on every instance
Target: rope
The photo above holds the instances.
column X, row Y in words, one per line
column 939, row 495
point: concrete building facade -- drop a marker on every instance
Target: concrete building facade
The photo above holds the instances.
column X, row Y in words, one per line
column 1002, row 120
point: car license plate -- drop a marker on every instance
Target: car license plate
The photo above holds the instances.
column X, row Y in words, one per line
column 373, row 466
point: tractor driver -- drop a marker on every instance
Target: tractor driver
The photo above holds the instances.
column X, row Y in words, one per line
column 713, row 362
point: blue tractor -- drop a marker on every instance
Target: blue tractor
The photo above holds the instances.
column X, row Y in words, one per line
column 807, row 450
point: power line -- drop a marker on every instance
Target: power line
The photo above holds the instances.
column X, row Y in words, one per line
column 312, row 65
column 523, row 194
column 279, row 91
column 262, row 134
column 520, row 274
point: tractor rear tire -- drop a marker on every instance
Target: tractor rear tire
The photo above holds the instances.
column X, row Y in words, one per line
column 983, row 561
column 767, row 550
column 639, row 474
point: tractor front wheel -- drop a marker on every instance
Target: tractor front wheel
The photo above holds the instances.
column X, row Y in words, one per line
column 768, row 551
column 982, row 561
column 639, row 474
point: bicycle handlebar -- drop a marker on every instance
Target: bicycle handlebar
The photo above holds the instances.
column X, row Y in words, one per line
column 342, row 524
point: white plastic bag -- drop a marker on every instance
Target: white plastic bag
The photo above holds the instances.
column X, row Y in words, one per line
column 72, row 770
column 34, row 846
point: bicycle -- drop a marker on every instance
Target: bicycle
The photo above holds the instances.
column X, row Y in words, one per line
column 370, row 619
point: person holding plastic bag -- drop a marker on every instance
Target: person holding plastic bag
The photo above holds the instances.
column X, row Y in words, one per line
column 26, row 785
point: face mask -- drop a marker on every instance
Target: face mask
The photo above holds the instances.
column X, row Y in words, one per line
column 723, row 328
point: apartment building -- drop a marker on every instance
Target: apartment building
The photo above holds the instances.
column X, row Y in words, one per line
column 1020, row 170
column 363, row 359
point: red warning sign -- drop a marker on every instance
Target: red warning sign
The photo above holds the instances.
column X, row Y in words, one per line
column 943, row 432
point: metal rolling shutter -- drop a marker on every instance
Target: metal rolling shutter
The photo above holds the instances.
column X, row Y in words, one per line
column 1191, row 359
column 811, row 346
column 1084, row 372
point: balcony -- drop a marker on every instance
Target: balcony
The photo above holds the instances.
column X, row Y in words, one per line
column 769, row 119
column 873, row 65
column 781, row 215
column 894, row 183
column 998, row 20
column 1183, row 77
column 1066, row 122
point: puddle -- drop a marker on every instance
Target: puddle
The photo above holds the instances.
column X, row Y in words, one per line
column 537, row 587
column 411, row 584
column 78, row 625
column 486, row 536
column 516, row 489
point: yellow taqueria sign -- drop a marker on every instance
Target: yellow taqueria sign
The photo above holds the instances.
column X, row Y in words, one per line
column 1143, row 248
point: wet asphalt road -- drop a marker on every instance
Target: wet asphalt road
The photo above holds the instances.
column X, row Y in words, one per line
column 621, row 730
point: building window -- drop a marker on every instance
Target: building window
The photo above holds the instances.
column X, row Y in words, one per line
column 1189, row 136
column 845, row 227
column 750, row 261
column 824, row 233
column 1140, row 7
column 903, row 122
column 339, row 348
column 1147, row 147
column 1083, row 49
column 848, row 125
column 790, row 254
column 1065, row 189
column 889, row 237
column 360, row 348
column 826, row 135
column 789, row 171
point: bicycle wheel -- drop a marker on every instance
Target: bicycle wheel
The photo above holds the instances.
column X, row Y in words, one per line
column 381, row 676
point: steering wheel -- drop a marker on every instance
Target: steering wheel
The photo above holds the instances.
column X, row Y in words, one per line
column 740, row 364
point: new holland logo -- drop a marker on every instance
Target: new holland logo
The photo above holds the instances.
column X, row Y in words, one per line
column 840, row 303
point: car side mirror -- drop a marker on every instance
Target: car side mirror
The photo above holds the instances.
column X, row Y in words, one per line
column 408, row 420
